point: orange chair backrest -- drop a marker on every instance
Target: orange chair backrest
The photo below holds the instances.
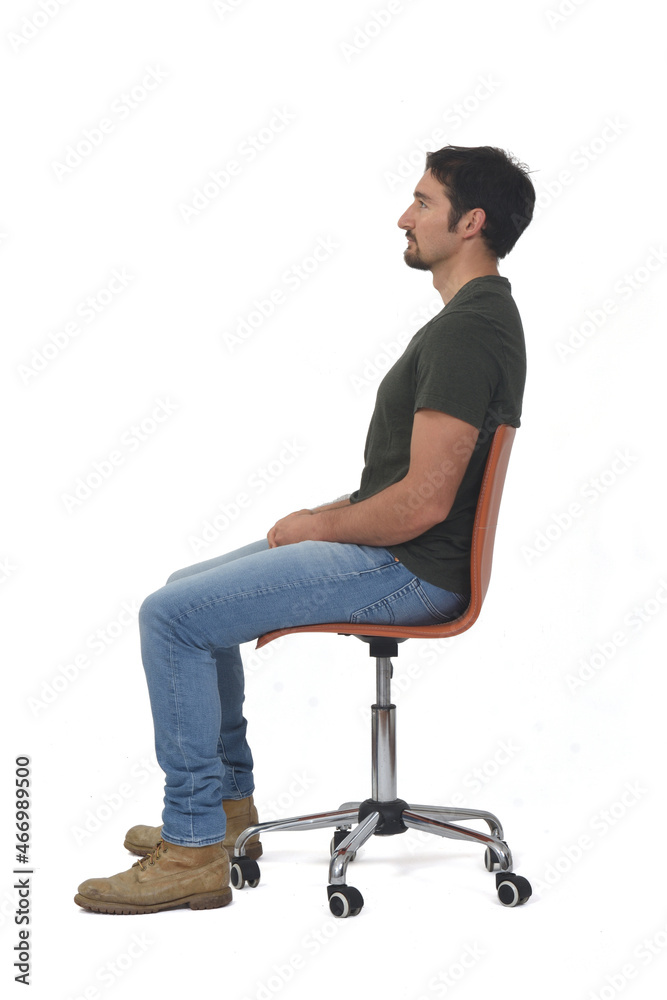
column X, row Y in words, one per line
column 486, row 520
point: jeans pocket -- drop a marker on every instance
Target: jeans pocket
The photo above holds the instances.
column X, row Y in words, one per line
column 413, row 604
column 443, row 605
column 378, row 613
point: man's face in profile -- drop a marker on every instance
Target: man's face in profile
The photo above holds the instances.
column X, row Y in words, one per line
column 426, row 224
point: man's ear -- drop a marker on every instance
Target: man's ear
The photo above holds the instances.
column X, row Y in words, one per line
column 475, row 222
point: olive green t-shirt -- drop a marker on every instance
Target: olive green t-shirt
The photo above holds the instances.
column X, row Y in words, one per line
column 468, row 361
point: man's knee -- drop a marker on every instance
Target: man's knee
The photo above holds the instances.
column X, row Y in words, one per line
column 152, row 608
column 176, row 575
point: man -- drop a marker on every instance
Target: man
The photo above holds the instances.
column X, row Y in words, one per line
column 396, row 551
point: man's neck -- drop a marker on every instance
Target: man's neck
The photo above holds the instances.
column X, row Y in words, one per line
column 449, row 282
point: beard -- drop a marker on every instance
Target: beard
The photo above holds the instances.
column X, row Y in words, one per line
column 412, row 259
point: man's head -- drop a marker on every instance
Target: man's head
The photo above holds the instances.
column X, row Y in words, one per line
column 477, row 193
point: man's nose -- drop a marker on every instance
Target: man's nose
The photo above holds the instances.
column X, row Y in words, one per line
column 405, row 221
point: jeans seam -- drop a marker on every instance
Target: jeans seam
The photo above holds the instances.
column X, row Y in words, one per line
column 178, row 724
column 227, row 766
column 421, row 593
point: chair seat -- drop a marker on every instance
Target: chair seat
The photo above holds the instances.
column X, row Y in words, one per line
column 455, row 627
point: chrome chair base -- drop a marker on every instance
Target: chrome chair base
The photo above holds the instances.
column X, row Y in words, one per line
column 384, row 814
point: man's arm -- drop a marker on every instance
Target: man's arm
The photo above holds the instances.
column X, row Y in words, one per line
column 440, row 449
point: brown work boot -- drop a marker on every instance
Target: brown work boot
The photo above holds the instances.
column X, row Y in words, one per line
column 168, row 877
column 240, row 814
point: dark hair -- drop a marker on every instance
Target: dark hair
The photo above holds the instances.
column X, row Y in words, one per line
column 488, row 178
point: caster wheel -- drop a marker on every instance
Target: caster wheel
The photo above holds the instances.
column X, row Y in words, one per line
column 337, row 839
column 491, row 859
column 244, row 871
column 344, row 900
column 513, row 890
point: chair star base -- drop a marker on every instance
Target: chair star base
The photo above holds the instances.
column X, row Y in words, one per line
column 386, row 815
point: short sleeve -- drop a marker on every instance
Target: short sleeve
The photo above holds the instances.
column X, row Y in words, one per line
column 458, row 368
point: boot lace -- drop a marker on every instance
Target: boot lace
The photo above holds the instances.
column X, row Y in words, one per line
column 152, row 857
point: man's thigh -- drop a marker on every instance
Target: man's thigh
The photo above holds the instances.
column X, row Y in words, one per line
column 202, row 567
column 236, row 600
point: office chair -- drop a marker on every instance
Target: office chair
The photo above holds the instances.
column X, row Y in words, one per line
column 384, row 814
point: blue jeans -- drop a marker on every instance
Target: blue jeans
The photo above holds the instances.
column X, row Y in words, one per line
column 190, row 633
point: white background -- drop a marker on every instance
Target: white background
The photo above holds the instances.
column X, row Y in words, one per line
column 580, row 571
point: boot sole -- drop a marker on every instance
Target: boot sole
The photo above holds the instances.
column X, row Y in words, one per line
column 199, row 901
column 253, row 851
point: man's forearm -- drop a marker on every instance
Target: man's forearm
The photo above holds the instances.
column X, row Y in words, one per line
column 392, row 516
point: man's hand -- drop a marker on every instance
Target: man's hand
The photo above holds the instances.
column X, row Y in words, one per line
column 292, row 528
